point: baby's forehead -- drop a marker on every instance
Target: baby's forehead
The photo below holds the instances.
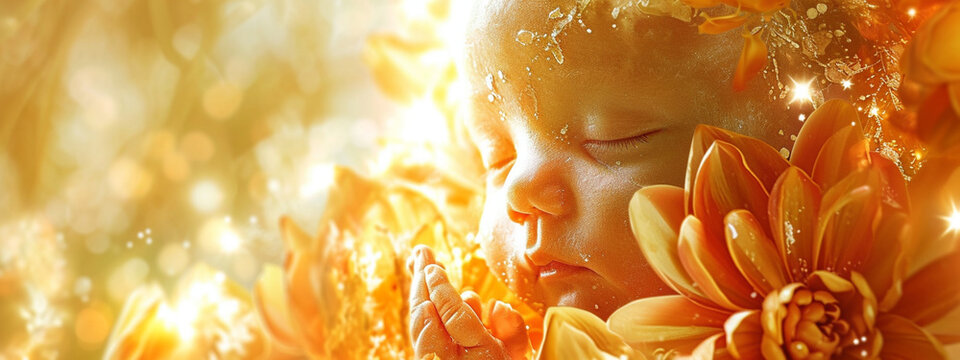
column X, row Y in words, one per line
column 557, row 35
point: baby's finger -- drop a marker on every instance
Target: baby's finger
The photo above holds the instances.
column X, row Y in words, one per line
column 461, row 322
column 507, row 325
column 418, row 286
column 473, row 300
column 428, row 334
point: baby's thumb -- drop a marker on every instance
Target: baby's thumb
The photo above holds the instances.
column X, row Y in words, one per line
column 507, row 325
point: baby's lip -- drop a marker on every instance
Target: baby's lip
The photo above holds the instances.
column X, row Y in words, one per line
column 556, row 269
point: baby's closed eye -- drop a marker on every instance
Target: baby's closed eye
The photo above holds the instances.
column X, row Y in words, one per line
column 619, row 149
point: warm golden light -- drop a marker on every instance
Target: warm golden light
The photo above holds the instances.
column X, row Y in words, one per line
column 953, row 221
column 912, row 12
column 802, row 91
column 846, row 84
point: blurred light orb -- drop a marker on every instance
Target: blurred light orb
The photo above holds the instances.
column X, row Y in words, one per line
column 172, row 259
column 206, row 196
column 127, row 277
column 953, row 221
column 318, row 179
column 229, row 241
column 197, row 146
column 221, row 100
column 128, row 179
column 92, row 326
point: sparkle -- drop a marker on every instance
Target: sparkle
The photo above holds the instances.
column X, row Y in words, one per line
column 846, row 84
column 229, row 241
column 802, row 91
column 874, row 111
column 911, row 12
column 953, row 221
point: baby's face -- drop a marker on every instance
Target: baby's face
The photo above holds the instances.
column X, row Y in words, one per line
column 566, row 145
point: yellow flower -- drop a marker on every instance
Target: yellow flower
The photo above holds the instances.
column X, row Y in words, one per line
column 787, row 260
column 342, row 293
column 210, row 316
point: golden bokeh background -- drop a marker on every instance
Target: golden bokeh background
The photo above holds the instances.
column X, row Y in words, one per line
column 139, row 138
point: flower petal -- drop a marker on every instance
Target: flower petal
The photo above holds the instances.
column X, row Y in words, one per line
column 794, row 207
column 721, row 24
column 744, row 335
column 659, row 322
column 932, row 291
column 886, row 265
column 579, row 334
column 270, row 298
column 903, row 339
column 937, row 43
column 762, row 160
column 712, row 269
column 894, row 191
column 724, row 183
column 754, row 253
column 844, row 152
column 753, row 58
column 847, row 217
column 823, row 123
column 655, row 216
column 706, row 350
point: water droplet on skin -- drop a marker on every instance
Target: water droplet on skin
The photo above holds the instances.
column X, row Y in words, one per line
column 563, row 131
column 525, row 37
column 490, row 97
column 556, row 13
column 615, row 13
column 489, row 81
column 501, row 76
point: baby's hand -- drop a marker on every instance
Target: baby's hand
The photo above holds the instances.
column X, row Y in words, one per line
column 448, row 324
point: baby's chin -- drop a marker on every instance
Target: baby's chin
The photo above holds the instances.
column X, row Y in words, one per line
column 584, row 290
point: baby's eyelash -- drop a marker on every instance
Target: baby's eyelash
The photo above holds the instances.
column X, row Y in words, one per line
column 624, row 143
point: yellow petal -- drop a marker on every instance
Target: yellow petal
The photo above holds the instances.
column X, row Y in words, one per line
column 721, row 24
column 723, row 184
column 270, row 297
column 706, row 350
column 823, row 123
column 794, row 208
column 667, row 322
column 655, row 216
column 762, row 160
column 712, row 270
column 931, row 292
column 903, row 339
column 754, row 253
column 843, row 153
column 753, row 58
column 847, row 217
column 744, row 334
column 578, row 334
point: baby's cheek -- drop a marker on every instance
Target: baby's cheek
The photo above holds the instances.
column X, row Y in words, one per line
column 503, row 247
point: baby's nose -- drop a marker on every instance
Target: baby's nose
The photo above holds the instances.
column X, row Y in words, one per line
column 536, row 190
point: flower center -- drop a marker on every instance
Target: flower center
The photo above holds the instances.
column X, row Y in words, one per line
column 813, row 325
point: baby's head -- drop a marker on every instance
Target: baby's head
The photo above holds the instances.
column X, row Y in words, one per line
column 570, row 128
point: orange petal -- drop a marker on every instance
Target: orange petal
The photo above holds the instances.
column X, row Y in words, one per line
column 823, row 123
column 844, row 152
column 753, row 58
column 713, row 270
column 937, row 46
column 706, row 350
column 270, row 297
column 903, row 339
column 579, row 334
column 754, row 253
column 721, row 24
column 700, row 4
column 762, row 6
column 723, row 184
column 894, row 191
column 794, row 207
column 931, row 292
column 744, row 334
column 938, row 126
column 763, row 160
column 886, row 264
column 771, row 318
column 659, row 323
column 847, row 218
column 826, row 280
column 655, row 216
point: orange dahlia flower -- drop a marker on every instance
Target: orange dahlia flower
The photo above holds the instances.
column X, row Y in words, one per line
column 931, row 90
column 777, row 259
